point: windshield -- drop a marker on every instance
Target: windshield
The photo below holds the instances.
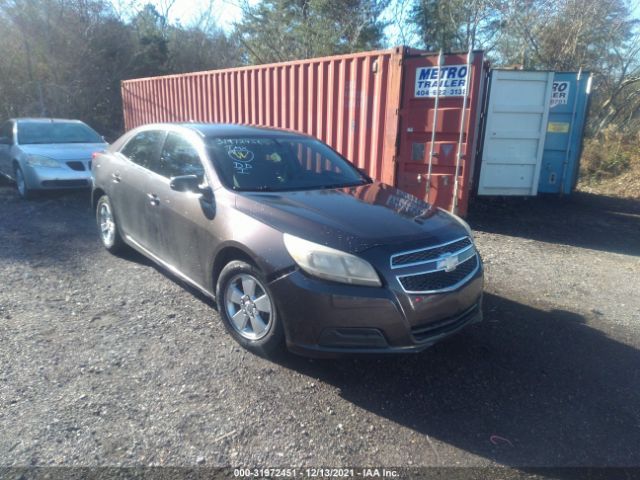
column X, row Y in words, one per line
column 56, row 132
column 279, row 164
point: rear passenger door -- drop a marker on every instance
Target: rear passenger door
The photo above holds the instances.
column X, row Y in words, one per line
column 131, row 198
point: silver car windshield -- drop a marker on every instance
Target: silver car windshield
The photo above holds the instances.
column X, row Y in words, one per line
column 280, row 164
column 30, row 133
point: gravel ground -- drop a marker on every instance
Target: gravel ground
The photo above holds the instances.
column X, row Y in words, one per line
column 107, row 360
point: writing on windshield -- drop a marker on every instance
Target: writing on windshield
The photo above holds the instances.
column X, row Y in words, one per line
column 279, row 164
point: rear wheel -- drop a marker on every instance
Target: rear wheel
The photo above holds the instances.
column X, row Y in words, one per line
column 248, row 310
column 108, row 228
column 21, row 184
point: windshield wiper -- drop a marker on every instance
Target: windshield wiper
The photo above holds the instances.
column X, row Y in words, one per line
column 261, row 188
column 342, row 185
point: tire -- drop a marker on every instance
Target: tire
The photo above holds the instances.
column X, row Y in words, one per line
column 248, row 309
column 24, row 190
column 107, row 226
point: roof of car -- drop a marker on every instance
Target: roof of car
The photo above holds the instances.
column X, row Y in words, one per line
column 226, row 129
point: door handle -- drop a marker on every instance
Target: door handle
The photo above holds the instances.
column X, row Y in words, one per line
column 153, row 199
column 115, row 177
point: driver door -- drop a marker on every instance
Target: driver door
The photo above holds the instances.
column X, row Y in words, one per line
column 181, row 224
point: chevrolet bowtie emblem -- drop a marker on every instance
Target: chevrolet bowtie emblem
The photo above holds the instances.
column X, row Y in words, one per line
column 449, row 263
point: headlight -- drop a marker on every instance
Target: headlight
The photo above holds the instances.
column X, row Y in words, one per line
column 40, row 161
column 330, row 264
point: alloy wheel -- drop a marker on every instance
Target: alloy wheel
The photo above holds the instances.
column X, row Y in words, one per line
column 248, row 306
column 20, row 182
column 107, row 225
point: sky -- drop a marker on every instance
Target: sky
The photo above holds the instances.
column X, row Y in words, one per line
column 226, row 12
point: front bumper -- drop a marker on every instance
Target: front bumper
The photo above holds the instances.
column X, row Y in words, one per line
column 324, row 319
column 44, row 178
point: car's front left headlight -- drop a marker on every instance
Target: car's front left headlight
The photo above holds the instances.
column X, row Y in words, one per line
column 41, row 161
column 330, row 264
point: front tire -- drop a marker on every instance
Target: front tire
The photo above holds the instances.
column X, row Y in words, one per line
column 107, row 225
column 248, row 309
column 24, row 190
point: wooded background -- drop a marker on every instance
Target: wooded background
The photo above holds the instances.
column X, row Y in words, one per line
column 66, row 58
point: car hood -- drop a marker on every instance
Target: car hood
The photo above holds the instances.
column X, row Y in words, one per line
column 64, row 151
column 352, row 219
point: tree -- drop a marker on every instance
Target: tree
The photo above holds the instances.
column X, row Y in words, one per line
column 152, row 52
column 66, row 58
column 279, row 30
column 598, row 36
column 457, row 25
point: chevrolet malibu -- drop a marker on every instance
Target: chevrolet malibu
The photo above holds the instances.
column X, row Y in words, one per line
column 295, row 244
column 47, row 153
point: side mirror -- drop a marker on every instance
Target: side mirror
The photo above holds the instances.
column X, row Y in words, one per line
column 364, row 172
column 191, row 183
column 185, row 183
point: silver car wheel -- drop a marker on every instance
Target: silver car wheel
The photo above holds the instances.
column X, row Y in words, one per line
column 20, row 182
column 107, row 225
column 248, row 306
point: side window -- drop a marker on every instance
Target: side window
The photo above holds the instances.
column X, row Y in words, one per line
column 6, row 131
column 144, row 148
column 179, row 157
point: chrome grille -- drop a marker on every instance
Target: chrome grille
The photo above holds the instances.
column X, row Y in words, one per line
column 416, row 257
column 438, row 268
column 439, row 280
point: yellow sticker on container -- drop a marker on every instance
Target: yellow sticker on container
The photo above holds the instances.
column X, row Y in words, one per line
column 558, row 127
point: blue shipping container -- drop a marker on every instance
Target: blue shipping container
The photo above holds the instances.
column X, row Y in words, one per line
column 565, row 128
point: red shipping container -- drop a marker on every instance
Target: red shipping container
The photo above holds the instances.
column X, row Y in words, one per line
column 375, row 108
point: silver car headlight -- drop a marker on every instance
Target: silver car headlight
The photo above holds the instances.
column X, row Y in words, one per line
column 330, row 264
column 40, row 161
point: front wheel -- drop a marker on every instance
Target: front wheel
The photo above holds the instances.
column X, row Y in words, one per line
column 21, row 184
column 248, row 309
column 108, row 228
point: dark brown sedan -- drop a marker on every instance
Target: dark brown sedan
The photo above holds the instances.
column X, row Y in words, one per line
column 296, row 245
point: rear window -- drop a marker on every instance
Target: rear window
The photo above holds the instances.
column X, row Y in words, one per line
column 56, row 132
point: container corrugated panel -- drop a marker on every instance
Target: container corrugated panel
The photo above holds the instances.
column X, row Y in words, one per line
column 563, row 142
column 372, row 107
column 515, row 127
column 349, row 101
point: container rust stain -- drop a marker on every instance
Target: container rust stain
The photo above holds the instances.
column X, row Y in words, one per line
column 360, row 104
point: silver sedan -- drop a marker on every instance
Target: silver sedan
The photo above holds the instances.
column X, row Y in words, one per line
column 45, row 154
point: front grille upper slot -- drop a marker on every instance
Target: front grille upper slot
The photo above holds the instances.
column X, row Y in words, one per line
column 76, row 165
column 440, row 280
column 416, row 257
